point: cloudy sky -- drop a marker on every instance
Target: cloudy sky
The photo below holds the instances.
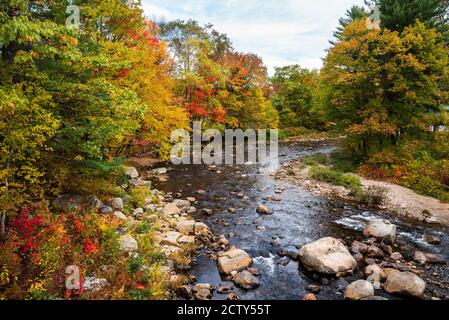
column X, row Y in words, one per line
column 283, row 32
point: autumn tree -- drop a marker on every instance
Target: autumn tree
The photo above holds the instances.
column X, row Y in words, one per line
column 381, row 85
column 294, row 90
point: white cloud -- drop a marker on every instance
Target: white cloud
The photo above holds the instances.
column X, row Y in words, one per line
column 280, row 31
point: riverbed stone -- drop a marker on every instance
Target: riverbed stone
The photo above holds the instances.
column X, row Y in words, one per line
column 171, row 238
column 359, row 290
column 382, row 230
column 430, row 239
column 186, row 227
column 310, row 297
column 396, row 256
column 246, row 280
column 359, row 247
column 131, row 172
column 420, row 257
column 263, row 209
column 434, row 258
column 128, row 243
column 170, row 209
column 327, row 256
column 233, row 260
column 375, row 252
column 202, row 291
column 376, row 272
column 405, row 283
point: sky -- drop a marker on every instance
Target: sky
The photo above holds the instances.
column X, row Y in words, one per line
column 282, row 32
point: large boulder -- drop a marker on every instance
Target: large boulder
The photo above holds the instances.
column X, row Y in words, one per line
column 246, row 280
column 405, row 283
column 233, row 260
column 381, row 229
column 358, row 290
column 76, row 202
column 327, row 256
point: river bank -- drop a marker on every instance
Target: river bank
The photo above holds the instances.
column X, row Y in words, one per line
column 397, row 199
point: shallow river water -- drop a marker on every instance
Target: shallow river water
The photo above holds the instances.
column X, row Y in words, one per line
column 299, row 218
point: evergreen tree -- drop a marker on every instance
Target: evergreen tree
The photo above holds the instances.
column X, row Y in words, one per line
column 352, row 14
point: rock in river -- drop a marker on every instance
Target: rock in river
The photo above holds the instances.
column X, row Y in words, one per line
column 359, row 290
column 233, row 260
column 327, row 256
column 405, row 283
column 381, row 229
column 263, row 209
column 246, row 280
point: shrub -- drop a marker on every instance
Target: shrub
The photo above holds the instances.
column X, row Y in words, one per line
column 335, row 177
column 373, row 196
column 138, row 196
column 315, row 159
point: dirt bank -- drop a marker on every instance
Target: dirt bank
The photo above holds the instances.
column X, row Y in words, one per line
column 398, row 200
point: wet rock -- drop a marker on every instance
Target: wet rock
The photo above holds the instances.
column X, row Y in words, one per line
column 116, row 203
column 202, row 291
column 310, row 297
column 131, row 172
column 233, row 260
column 314, row 289
column 119, row 215
column 375, row 252
column 359, row 247
column 246, row 280
column 327, row 256
column 435, row 258
column 293, row 255
column 232, row 297
column 224, row 289
column 207, row 212
column 254, row 271
column 191, row 199
column 396, row 256
column 420, row 257
column 388, row 249
column 430, row 239
column 232, row 210
column 376, row 272
column 222, row 241
column 381, row 229
column 94, row 285
column 405, row 283
column 359, row 290
column 263, row 209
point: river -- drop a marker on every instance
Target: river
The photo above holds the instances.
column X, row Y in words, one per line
column 299, row 218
